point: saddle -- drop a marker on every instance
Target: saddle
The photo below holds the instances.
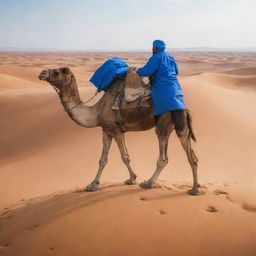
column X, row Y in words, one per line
column 132, row 93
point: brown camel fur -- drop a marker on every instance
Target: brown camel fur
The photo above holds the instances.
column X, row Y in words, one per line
column 101, row 114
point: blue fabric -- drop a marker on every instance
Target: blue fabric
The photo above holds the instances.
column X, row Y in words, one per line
column 159, row 44
column 166, row 91
column 108, row 72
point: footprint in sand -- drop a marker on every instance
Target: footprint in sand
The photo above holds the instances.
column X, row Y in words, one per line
column 31, row 228
column 165, row 187
column 211, row 209
column 248, row 207
column 182, row 186
column 229, row 199
column 162, row 212
column 143, row 199
column 220, row 192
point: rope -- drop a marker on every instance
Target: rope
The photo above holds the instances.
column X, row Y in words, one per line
column 85, row 101
column 58, row 90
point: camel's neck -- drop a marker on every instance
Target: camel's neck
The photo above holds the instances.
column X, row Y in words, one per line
column 77, row 111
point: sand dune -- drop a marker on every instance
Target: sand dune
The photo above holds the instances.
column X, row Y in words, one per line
column 10, row 82
column 45, row 158
column 235, row 82
column 242, row 71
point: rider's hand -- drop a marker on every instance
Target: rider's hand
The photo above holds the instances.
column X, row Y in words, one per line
column 132, row 69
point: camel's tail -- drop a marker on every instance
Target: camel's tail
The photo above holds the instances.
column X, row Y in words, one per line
column 189, row 117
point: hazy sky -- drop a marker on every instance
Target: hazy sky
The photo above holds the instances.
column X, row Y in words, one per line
column 127, row 24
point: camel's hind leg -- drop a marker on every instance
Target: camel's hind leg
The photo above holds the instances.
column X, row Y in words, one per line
column 182, row 129
column 164, row 127
column 120, row 141
column 107, row 139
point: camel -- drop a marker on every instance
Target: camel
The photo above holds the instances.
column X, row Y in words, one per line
column 101, row 114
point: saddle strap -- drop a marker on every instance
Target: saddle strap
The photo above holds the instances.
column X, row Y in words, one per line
column 118, row 112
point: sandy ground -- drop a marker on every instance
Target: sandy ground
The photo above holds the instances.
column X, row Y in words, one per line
column 46, row 160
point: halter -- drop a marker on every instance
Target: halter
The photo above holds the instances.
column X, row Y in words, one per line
column 58, row 90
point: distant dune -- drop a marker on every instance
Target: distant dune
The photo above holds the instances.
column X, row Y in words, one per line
column 242, row 71
column 243, row 82
column 11, row 82
column 46, row 160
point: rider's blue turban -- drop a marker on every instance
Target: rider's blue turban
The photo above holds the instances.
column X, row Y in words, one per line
column 159, row 44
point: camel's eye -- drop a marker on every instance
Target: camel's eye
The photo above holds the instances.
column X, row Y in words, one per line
column 65, row 70
column 56, row 72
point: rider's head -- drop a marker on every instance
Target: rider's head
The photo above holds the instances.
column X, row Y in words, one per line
column 158, row 45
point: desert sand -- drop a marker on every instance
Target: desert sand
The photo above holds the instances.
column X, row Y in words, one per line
column 47, row 160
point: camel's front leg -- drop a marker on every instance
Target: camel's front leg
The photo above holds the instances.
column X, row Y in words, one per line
column 164, row 127
column 120, row 141
column 107, row 139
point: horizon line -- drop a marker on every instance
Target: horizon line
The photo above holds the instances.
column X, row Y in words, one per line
column 193, row 48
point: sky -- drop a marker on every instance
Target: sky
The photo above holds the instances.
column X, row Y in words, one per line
column 127, row 24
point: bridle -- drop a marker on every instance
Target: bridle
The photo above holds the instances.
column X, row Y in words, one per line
column 60, row 81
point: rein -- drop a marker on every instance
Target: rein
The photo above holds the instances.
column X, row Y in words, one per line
column 80, row 102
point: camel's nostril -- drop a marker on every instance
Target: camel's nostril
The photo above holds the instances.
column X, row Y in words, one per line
column 43, row 75
column 40, row 77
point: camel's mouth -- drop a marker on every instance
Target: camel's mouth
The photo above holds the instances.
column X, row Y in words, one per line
column 44, row 75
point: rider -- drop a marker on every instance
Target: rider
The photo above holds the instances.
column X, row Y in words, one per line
column 167, row 94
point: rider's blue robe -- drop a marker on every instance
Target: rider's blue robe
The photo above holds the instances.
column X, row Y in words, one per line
column 166, row 91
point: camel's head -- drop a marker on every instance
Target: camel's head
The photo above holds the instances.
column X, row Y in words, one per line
column 59, row 77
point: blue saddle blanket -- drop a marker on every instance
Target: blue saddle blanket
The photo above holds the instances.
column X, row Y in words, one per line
column 108, row 72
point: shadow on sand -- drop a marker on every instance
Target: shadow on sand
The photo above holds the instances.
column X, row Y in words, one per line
column 39, row 211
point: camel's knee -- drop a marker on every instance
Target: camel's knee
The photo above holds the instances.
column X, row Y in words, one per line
column 162, row 162
column 103, row 161
column 186, row 144
column 194, row 158
column 125, row 158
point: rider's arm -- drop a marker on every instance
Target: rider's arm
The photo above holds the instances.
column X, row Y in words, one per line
column 150, row 67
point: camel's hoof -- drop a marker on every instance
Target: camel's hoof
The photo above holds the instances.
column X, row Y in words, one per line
column 130, row 182
column 194, row 192
column 146, row 184
column 92, row 187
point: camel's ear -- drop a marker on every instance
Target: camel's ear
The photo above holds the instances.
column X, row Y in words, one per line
column 65, row 70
